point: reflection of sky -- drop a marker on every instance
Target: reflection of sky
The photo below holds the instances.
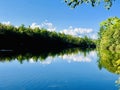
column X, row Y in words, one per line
column 80, row 57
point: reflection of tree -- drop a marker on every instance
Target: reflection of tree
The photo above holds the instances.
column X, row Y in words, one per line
column 110, row 60
column 40, row 55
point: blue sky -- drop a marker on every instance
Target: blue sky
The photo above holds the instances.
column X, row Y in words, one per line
column 55, row 12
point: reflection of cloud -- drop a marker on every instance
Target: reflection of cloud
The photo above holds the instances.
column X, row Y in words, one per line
column 76, row 58
column 48, row 60
column 79, row 57
column 31, row 60
column 70, row 58
column 81, row 32
column 117, row 82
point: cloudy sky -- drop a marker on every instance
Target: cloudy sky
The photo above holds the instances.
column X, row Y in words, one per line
column 55, row 15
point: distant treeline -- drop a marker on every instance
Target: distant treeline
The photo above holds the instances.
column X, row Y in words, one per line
column 27, row 39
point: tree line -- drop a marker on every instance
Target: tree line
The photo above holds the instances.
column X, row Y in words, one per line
column 29, row 39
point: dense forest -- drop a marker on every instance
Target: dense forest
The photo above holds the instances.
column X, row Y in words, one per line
column 27, row 39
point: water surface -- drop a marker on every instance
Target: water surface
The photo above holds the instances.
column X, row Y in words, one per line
column 74, row 71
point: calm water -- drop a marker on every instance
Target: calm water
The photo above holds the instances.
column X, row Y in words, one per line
column 61, row 72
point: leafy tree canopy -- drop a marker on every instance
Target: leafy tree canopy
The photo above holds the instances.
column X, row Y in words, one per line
column 109, row 35
column 74, row 3
column 109, row 45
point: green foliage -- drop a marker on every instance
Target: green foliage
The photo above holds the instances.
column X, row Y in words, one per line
column 74, row 3
column 109, row 45
column 109, row 35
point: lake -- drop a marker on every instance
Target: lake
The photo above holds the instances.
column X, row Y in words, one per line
column 69, row 71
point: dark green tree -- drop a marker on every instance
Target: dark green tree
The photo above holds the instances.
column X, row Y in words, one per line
column 26, row 38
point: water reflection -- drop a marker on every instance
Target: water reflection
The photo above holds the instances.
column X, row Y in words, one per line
column 73, row 57
column 109, row 60
column 117, row 82
column 46, row 57
column 80, row 57
column 59, row 75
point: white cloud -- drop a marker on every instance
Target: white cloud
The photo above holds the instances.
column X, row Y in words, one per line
column 6, row 23
column 34, row 25
column 47, row 25
column 81, row 32
column 77, row 31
